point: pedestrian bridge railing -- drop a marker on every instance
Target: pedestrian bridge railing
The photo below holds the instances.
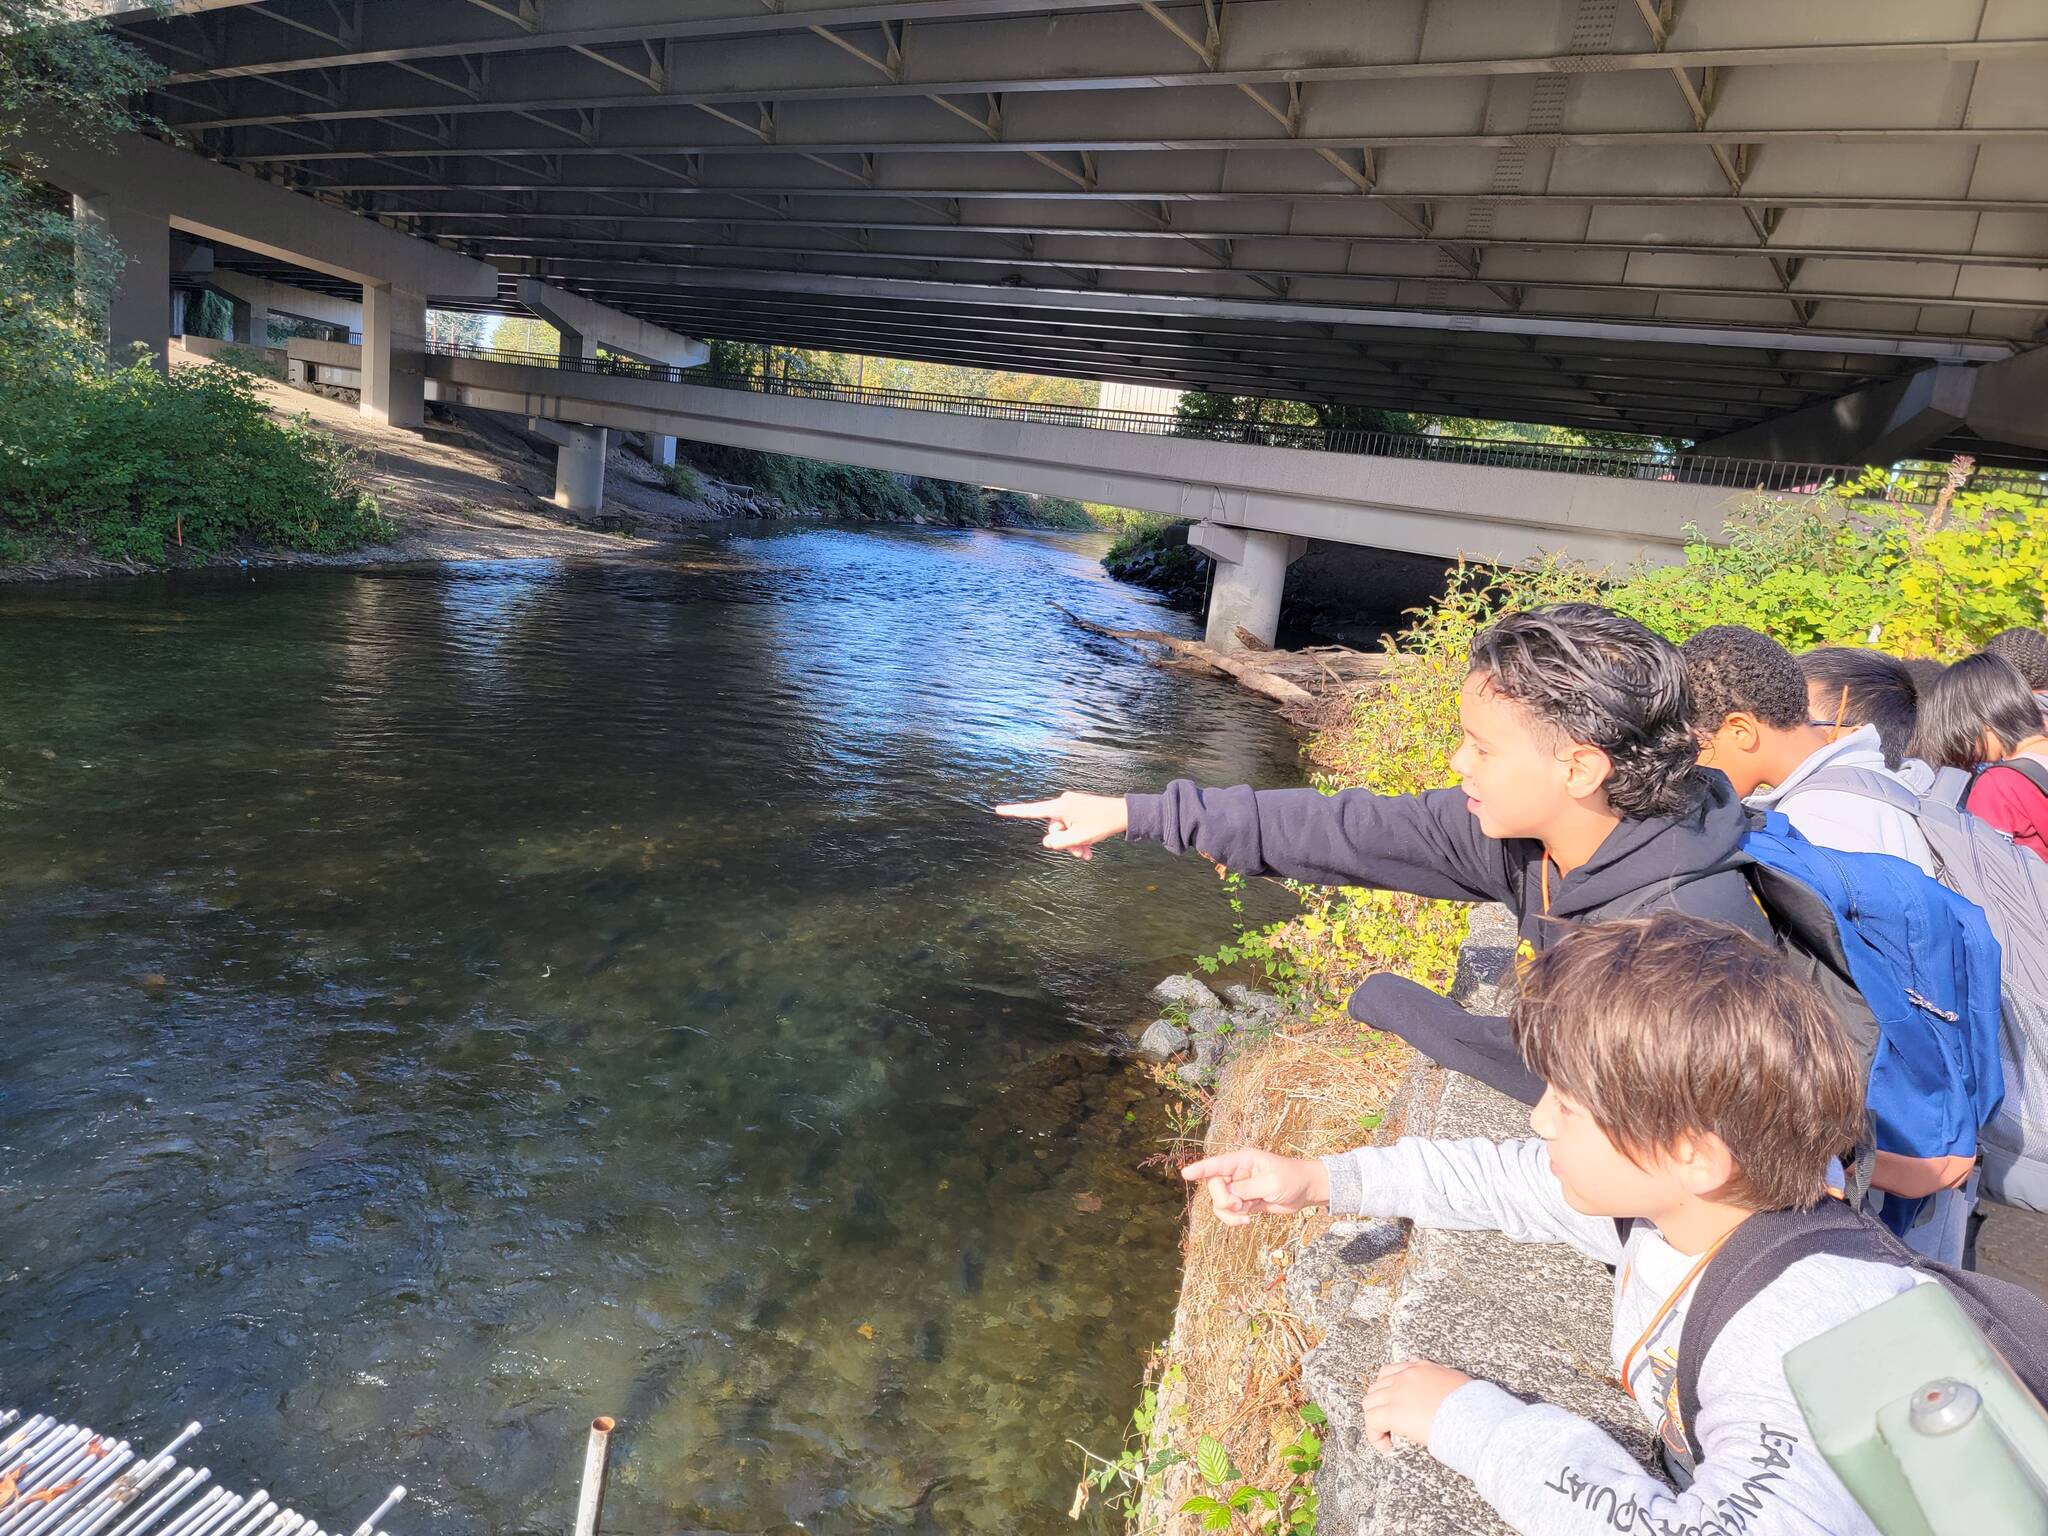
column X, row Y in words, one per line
column 1911, row 483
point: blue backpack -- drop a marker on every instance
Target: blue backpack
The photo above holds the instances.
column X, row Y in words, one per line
column 1910, row 968
column 1913, row 971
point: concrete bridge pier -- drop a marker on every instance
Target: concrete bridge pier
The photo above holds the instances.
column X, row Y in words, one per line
column 139, row 309
column 1250, row 574
column 579, row 462
column 394, row 390
column 661, row 449
column 251, row 322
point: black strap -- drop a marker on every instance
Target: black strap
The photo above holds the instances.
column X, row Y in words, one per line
column 1755, row 1254
column 2027, row 768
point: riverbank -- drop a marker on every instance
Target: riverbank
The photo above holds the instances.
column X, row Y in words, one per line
column 470, row 486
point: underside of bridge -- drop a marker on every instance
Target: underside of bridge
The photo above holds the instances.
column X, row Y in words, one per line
column 1686, row 217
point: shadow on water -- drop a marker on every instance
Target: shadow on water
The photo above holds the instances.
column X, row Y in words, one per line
column 439, row 1005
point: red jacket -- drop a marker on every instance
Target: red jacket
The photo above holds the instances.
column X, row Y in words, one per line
column 2014, row 804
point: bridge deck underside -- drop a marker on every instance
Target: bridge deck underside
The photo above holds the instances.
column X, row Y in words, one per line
column 1601, row 213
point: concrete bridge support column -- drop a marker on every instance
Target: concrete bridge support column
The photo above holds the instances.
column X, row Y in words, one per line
column 251, row 322
column 579, row 465
column 394, row 389
column 1249, row 577
column 661, row 449
column 139, row 309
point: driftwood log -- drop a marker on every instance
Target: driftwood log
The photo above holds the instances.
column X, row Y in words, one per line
column 1247, row 670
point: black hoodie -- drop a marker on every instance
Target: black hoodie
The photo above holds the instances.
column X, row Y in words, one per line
column 1431, row 844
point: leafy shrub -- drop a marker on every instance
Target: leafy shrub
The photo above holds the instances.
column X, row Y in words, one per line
column 1838, row 566
column 810, row 484
column 131, row 463
column 949, row 501
column 1124, row 519
column 1061, row 512
column 682, row 480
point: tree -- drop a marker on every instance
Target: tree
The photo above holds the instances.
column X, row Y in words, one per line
column 523, row 333
column 456, row 328
column 55, row 277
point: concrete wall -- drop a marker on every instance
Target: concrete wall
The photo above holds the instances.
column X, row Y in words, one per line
column 1497, row 515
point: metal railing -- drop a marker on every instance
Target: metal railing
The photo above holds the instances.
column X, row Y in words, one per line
column 1915, row 484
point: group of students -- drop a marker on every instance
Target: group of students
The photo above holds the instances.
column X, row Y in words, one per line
column 1697, row 1021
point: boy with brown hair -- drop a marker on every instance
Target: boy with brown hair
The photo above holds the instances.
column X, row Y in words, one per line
column 1690, row 1083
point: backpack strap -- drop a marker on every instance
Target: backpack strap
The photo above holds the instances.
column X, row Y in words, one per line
column 1952, row 786
column 2034, row 773
column 1766, row 1245
column 1867, row 782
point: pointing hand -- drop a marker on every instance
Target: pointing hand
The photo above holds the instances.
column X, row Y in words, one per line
column 1253, row 1183
column 1073, row 822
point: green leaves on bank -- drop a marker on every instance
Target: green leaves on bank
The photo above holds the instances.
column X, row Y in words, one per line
column 126, row 464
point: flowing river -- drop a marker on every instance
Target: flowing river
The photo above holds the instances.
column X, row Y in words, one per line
column 440, row 1005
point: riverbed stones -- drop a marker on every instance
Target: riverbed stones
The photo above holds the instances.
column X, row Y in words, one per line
column 1187, row 991
column 1252, row 1010
column 1162, row 1041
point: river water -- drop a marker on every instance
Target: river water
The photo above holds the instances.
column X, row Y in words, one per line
column 439, row 1005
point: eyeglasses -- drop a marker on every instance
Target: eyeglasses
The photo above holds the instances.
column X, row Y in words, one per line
column 1828, row 725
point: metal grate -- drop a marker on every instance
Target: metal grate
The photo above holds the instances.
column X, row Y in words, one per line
column 60, row 1479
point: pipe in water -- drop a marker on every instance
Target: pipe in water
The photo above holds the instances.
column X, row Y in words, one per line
column 596, row 1464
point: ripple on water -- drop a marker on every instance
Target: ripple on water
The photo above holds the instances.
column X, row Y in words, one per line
column 441, row 1005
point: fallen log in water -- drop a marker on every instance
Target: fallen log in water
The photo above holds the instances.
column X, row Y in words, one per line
column 1253, row 670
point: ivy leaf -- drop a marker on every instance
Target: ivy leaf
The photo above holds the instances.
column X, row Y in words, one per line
column 1311, row 1414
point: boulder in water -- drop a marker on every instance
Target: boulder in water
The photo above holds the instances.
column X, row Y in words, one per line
column 1163, row 1039
column 1186, row 991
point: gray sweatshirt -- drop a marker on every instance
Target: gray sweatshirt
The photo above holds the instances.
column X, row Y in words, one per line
column 1551, row 1473
column 1838, row 819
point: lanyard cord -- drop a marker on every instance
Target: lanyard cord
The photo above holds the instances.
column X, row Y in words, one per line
column 1691, row 1275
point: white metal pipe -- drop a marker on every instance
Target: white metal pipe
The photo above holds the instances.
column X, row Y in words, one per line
column 125, row 1493
column 391, row 1501
column 30, row 1428
column 596, row 1466
column 95, row 1473
column 98, row 1500
column 202, row 1508
column 217, row 1519
column 48, row 1463
column 187, row 1481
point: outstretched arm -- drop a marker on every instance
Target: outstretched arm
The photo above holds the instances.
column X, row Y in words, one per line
column 1429, row 843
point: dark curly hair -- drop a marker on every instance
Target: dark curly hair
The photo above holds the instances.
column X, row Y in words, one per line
column 1606, row 681
column 2026, row 649
column 1735, row 670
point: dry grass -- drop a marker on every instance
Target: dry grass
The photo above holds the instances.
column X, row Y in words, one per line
column 1237, row 1347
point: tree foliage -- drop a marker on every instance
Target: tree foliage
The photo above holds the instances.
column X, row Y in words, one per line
column 1842, row 564
column 129, row 465
column 1198, row 406
column 121, row 461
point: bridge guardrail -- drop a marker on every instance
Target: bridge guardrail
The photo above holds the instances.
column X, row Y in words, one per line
column 1913, row 484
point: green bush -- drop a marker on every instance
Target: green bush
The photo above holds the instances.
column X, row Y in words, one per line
column 1841, row 567
column 1060, row 512
column 949, row 501
column 1124, row 519
column 809, row 484
column 131, row 464
column 682, row 480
